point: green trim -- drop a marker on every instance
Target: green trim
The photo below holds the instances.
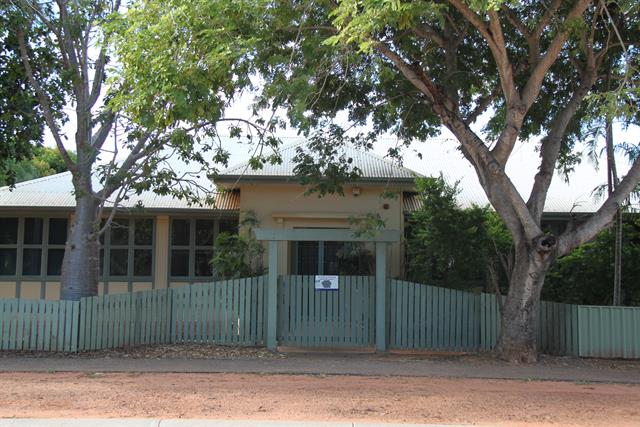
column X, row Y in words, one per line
column 272, row 297
column 323, row 235
column 381, row 295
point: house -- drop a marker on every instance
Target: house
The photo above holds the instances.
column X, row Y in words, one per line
column 158, row 241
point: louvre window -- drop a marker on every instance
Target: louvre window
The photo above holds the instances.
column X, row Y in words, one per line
column 192, row 246
column 32, row 247
column 127, row 249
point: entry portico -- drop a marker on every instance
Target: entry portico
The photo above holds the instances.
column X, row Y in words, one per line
column 381, row 239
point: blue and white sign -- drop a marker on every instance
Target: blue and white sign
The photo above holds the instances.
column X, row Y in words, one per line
column 327, row 283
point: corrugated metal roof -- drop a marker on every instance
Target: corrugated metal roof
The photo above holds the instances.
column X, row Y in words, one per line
column 371, row 166
column 56, row 191
column 411, row 202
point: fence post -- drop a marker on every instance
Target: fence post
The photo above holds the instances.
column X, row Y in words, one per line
column 272, row 296
column 381, row 296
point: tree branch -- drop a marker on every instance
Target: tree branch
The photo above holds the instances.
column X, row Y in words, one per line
column 492, row 176
column 98, row 75
column 516, row 111
column 482, row 105
column 590, row 228
column 426, row 32
column 532, row 87
column 99, row 138
column 550, row 147
column 43, row 100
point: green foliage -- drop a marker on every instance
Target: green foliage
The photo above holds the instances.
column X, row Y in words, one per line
column 585, row 276
column 238, row 255
column 457, row 247
column 449, row 244
column 45, row 161
column 355, row 259
column 21, row 119
column 183, row 61
column 368, row 225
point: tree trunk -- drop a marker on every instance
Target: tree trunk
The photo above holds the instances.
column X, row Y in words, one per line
column 81, row 263
column 518, row 335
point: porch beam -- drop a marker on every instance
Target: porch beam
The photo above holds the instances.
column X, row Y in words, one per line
column 381, row 296
column 323, row 235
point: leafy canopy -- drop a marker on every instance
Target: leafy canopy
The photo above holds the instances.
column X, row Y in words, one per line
column 45, row 161
column 21, row 120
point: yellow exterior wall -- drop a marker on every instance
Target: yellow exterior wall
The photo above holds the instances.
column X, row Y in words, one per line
column 285, row 206
column 178, row 284
column 30, row 290
column 142, row 286
column 52, row 291
column 161, row 268
column 118, row 288
column 7, row 289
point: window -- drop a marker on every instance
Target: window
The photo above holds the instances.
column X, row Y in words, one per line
column 57, row 238
column 347, row 258
column 8, row 246
column 192, row 246
column 127, row 248
column 32, row 246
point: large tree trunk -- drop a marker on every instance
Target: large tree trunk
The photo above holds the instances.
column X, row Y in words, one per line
column 81, row 264
column 518, row 336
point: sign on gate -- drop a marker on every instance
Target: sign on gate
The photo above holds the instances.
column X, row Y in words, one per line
column 326, row 283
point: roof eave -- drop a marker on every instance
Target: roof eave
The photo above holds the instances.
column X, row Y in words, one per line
column 230, row 180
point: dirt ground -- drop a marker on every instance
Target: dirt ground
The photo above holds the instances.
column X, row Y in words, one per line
column 330, row 398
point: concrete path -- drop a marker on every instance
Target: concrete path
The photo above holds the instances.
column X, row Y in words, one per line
column 559, row 369
column 132, row 422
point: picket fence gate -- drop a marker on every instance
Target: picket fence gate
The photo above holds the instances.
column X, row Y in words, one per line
column 234, row 312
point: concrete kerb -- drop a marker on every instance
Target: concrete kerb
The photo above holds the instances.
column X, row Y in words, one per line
column 305, row 364
column 137, row 422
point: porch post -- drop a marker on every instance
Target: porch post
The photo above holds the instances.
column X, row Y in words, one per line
column 272, row 296
column 381, row 296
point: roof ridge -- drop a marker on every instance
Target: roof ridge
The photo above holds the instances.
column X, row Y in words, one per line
column 234, row 170
column 35, row 181
column 246, row 162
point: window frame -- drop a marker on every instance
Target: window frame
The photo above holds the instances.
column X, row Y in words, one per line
column 321, row 252
column 191, row 247
column 131, row 247
column 44, row 247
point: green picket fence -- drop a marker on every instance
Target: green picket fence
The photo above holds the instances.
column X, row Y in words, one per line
column 38, row 325
column 223, row 312
column 226, row 312
column 112, row 321
column 432, row 318
column 428, row 317
column 233, row 312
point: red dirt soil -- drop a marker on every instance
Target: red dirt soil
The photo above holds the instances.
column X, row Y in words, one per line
column 330, row 398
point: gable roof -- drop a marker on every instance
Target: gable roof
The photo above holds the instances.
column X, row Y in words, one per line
column 56, row 191
column 372, row 167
